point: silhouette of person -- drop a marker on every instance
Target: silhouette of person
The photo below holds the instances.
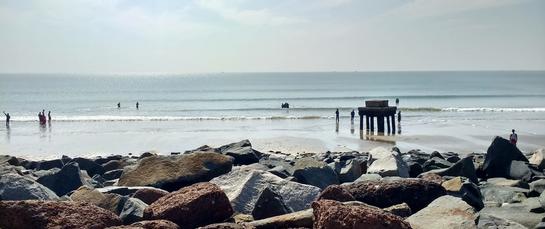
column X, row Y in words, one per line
column 399, row 116
column 337, row 115
column 8, row 117
column 137, row 105
column 118, row 105
column 513, row 138
column 397, row 101
column 49, row 116
column 352, row 114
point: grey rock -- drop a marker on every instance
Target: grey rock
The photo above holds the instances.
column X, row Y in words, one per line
column 113, row 174
column 440, row 214
column 17, row 187
column 133, row 211
column 269, row 204
column 501, row 194
column 90, row 166
column 519, row 170
column 314, row 172
column 368, row 177
column 300, row 219
column 515, row 212
column 389, row 165
column 436, row 163
column 69, row 178
column 280, row 171
column 537, row 186
column 488, row 221
column 538, row 158
column 348, row 170
column 500, row 181
column 464, row 168
column 242, row 151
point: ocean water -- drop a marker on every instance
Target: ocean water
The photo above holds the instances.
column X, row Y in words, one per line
column 247, row 105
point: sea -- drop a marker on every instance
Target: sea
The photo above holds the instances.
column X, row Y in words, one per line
column 443, row 111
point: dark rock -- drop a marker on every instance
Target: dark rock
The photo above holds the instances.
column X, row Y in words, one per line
column 436, row 154
column 453, row 159
column 90, row 166
column 415, row 169
column 488, row 221
column 537, row 187
column 133, row 210
column 102, row 161
column 300, row 219
column 113, row 165
column 349, row 170
column 147, row 154
column 417, row 193
column 108, row 201
column 445, row 212
column 113, row 174
column 335, row 192
column 54, row 214
column 466, row 190
column 313, row 172
column 269, row 204
column 149, row 195
column 226, row 226
column 242, row 151
column 402, row 210
column 172, row 172
column 196, row 205
column 280, row 171
column 464, row 168
column 435, row 163
column 11, row 160
column 69, row 178
column 17, row 187
column 155, row 224
column 499, row 156
column 44, row 165
column 333, row 214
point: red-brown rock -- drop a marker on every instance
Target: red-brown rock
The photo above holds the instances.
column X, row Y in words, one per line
column 335, row 192
column 333, row 214
column 196, row 205
column 417, row 193
column 54, row 214
column 149, row 224
column 227, row 226
column 149, row 195
column 432, row 177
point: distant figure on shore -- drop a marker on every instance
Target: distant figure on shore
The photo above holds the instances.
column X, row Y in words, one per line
column 337, row 115
column 137, row 105
column 285, row 105
column 513, row 138
column 397, row 102
column 41, row 117
column 399, row 116
column 8, row 117
column 49, row 116
column 352, row 114
column 118, row 105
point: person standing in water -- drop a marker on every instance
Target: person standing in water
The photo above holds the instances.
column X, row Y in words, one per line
column 118, row 105
column 397, row 102
column 513, row 138
column 352, row 114
column 137, row 105
column 49, row 116
column 337, row 115
column 8, row 117
column 399, row 116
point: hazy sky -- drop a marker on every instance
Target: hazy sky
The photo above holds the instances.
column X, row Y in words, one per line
column 182, row 36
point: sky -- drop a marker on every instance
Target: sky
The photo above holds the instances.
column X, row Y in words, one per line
column 192, row 36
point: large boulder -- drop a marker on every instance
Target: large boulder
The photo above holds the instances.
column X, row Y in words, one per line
column 69, row 178
column 243, row 187
column 300, row 219
column 149, row 195
column 333, row 214
column 538, row 158
column 349, row 170
column 464, row 168
column 390, row 165
column 54, row 214
column 133, row 210
column 417, row 193
column 499, row 156
column 445, row 212
column 335, row 192
column 537, row 187
column 242, row 152
column 269, row 204
column 17, row 187
column 519, row 170
column 196, row 205
column 436, row 163
column 501, row 194
column 43, row 165
column 488, row 221
column 172, row 172
column 466, row 190
column 90, row 166
column 109, row 201
column 313, row 172
column 514, row 212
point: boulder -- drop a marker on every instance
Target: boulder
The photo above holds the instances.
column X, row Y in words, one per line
column 435, row 163
column 417, row 193
column 300, row 219
column 149, row 224
column 10, row 160
column 90, row 166
column 333, row 214
column 17, row 187
column 172, row 172
column 242, row 152
column 432, row 177
column 124, row 190
column 368, row 177
column 537, row 187
column 335, row 192
column 519, row 170
column 280, row 171
column 113, row 165
column 113, row 174
column 538, row 158
column 196, row 205
column 133, row 211
column 464, row 168
column 390, row 165
column 227, row 226
column 149, row 195
column 415, row 169
column 43, row 165
column 499, row 194
column 314, row 172
column 54, row 214
column 348, row 170
column 243, row 187
column 108, row 201
column 500, row 181
column 488, row 221
column 379, row 153
column 445, row 212
column 102, row 160
column 402, row 210
column 69, row 178
column 499, row 156
column 466, row 190
column 514, row 212
column 269, row 204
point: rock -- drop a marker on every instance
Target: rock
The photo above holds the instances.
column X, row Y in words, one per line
column 124, row 190
column 17, row 187
column 453, row 159
column 196, row 205
column 148, row 195
column 69, row 178
column 54, row 214
column 90, row 166
column 500, row 181
column 435, row 163
column 538, row 158
column 147, row 154
column 172, row 172
column 464, row 168
column 432, row 177
column 415, row 169
column 11, row 160
column 243, row 187
column 149, row 224
column 113, row 165
column 488, row 221
column 269, row 204
column 133, row 211
column 445, row 212
column 113, row 174
column 43, row 165
column 533, row 204
column 226, row 226
column 499, row 156
column 300, row 219
column 335, row 192
column 402, row 210
column 436, row 154
column 417, row 193
column 333, row 214
column 390, row 165
column 242, row 151
column 348, row 170
column 368, row 177
column 501, row 194
column 313, row 172
column 514, row 212
column 537, row 187
column 108, row 201
column 519, row 170
column 468, row 191
column 379, row 153
column 280, row 171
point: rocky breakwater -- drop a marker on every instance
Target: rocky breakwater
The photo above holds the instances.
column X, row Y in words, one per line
column 236, row 186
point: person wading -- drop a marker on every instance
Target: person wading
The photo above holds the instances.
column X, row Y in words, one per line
column 8, row 117
column 513, row 138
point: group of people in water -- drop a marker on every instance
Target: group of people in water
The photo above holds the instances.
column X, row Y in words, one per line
column 137, row 105
column 42, row 118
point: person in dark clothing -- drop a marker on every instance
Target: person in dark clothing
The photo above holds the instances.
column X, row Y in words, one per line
column 397, row 101
column 337, row 115
column 513, row 138
column 137, row 105
column 399, row 116
column 49, row 116
column 352, row 114
column 8, row 117
column 118, row 105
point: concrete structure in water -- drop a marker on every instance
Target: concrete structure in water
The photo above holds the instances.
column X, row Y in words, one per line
column 380, row 110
